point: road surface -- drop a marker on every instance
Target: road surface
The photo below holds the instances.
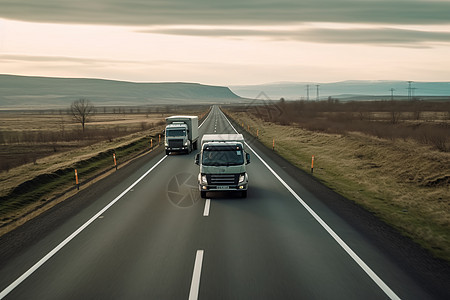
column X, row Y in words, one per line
column 145, row 233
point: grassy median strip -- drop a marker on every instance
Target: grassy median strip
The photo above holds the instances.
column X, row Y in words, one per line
column 403, row 183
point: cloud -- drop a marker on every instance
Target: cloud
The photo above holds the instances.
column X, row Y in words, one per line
column 377, row 36
column 37, row 58
column 81, row 61
column 219, row 12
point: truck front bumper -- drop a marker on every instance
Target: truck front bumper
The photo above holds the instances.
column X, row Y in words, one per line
column 218, row 188
column 205, row 184
column 184, row 148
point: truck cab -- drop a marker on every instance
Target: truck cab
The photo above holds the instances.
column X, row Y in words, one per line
column 222, row 162
column 181, row 134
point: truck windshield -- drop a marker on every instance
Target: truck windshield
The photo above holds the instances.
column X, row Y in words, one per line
column 222, row 156
column 176, row 132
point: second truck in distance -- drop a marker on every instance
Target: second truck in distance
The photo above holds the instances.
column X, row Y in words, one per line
column 181, row 134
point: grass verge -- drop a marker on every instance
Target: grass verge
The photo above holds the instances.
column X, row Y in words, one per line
column 39, row 192
column 403, row 183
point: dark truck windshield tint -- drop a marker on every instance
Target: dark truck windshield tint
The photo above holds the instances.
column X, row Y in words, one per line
column 222, row 156
column 176, row 132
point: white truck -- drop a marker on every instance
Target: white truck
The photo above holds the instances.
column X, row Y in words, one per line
column 222, row 162
column 181, row 134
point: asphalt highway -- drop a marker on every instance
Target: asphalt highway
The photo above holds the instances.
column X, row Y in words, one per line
column 150, row 235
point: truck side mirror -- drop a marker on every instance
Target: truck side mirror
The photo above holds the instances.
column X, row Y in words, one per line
column 197, row 159
column 247, row 157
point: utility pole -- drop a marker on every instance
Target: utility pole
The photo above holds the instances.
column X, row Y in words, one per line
column 307, row 92
column 392, row 94
column 409, row 90
column 317, row 92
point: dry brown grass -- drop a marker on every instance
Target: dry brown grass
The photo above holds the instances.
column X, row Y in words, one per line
column 425, row 122
column 26, row 137
column 405, row 183
column 52, row 163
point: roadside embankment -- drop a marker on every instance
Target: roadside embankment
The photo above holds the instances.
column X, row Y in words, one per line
column 403, row 183
column 30, row 189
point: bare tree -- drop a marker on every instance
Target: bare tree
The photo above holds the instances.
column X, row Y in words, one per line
column 82, row 110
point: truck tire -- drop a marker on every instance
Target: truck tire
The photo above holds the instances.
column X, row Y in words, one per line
column 202, row 194
column 167, row 152
column 244, row 194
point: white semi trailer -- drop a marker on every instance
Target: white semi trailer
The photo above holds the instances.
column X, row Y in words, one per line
column 222, row 162
column 181, row 134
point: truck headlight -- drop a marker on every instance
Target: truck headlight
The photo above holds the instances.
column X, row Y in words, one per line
column 186, row 143
column 204, row 179
column 241, row 178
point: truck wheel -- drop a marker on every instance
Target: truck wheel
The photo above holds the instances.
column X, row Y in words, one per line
column 244, row 194
column 202, row 194
column 167, row 152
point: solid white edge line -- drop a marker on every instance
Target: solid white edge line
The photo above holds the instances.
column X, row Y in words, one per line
column 207, row 205
column 36, row 266
column 195, row 284
column 343, row 245
column 205, row 119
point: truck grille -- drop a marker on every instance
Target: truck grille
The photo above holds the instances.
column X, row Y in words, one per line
column 176, row 143
column 223, row 179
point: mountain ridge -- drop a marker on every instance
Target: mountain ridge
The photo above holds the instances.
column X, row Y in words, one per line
column 36, row 91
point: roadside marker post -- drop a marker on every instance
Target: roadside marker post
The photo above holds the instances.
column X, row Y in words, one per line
column 151, row 143
column 248, row 128
column 76, row 179
column 159, row 140
column 273, row 145
column 312, row 164
column 257, row 133
column 115, row 162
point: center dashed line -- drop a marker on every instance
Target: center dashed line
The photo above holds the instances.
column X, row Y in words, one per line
column 196, row 274
column 207, row 206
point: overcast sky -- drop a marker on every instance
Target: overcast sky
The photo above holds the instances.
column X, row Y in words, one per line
column 230, row 42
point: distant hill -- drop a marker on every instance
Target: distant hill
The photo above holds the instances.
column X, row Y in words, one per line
column 38, row 92
column 344, row 90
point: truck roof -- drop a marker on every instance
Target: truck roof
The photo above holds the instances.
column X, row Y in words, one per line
column 181, row 117
column 224, row 137
column 177, row 125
